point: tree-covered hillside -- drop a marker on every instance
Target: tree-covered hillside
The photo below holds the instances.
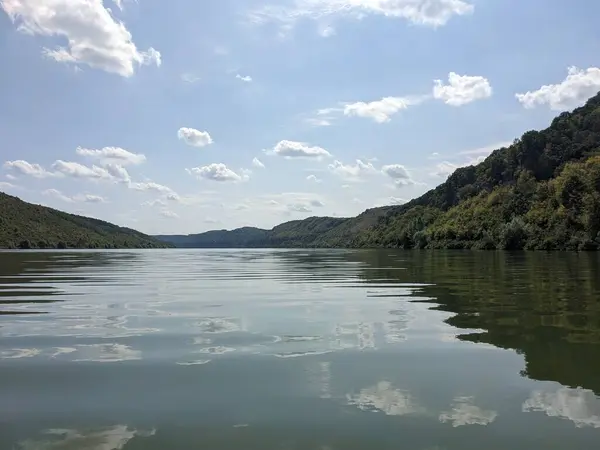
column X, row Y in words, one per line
column 25, row 225
column 541, row 192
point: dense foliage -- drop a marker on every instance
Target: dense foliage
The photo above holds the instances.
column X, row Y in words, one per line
column 541, row 192
column 24, row 225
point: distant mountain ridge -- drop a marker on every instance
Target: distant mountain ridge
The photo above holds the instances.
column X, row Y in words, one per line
column 541, row 192
column 25, row 225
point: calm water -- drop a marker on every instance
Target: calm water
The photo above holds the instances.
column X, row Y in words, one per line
column 323, row 350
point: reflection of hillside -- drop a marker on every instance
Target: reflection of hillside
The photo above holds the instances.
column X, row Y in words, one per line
column 545, row 306
column 34, row 277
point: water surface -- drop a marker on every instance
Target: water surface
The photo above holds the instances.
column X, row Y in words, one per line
column 299, row 349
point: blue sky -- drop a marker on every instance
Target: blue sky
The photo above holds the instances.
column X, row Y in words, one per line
column 184, row 116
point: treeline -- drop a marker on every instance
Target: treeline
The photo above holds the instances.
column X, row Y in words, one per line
column 27, row 226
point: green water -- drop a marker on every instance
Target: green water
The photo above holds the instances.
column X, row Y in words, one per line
column 299, row 349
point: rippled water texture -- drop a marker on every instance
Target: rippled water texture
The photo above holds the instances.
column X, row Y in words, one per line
column 299, row 349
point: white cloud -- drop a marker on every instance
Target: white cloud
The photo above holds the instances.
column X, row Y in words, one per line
column 465, row 413
column 173, row 197
column 580, row 406
column 25, row 168
column 462, row 89
column 79, row 198
column 298, row 207
column 76, row 170
column 293, row 149
column 380, row 110
column 119, row 173
column 216, row 172
column 327, row 31
column 383, row 397
column 112, row 155
column 313, row 178
column 150, row 186
column 293, row 202
column 258, row 163
column 246, row 79
column 94, row 37
column 57, row 194
column 573, row 91
column 89, row 198
column 352, row 172
column 398, row 173
column 194, row 137
column 444, row 169
column 169, row 214
column 423, row 12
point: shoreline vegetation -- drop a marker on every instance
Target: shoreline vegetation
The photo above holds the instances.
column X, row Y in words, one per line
column 540, row 193
column 24, row 225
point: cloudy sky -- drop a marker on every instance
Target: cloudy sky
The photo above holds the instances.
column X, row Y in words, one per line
column 189, row 115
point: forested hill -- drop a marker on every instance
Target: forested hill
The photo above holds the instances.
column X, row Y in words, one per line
column 541, row 192
column 25, row 225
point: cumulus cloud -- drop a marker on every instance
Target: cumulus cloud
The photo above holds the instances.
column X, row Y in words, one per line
column 398, row 173
column 352, row 171
column 151, row 187
column 313, row 178
column 76, row 170
column 258, row 163
column 294, row 202
column 119, row 173
column 245, row 79
column 293, row 149
column 94, row 37
column 432, row 13
column 90, row 198
column 60, row 168
column 115, row 155
column 194, row 137
column 462, row 89
column 216, row 172
column 573, row 91
column 380, row 110
column 22, row 167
